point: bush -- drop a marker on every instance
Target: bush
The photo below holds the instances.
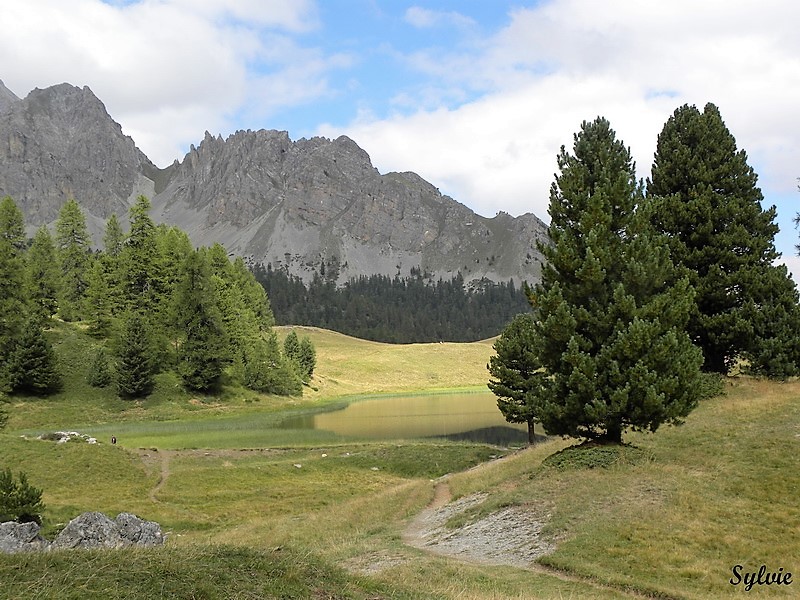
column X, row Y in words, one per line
column 19, row 501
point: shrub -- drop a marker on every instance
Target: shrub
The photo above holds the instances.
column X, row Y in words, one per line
column 19, row 501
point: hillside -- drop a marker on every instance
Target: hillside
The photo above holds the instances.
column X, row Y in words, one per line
column 669, row 515
column 289, row 204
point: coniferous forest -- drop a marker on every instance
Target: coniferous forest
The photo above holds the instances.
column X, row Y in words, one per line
column 153, row 302
column 393, row 309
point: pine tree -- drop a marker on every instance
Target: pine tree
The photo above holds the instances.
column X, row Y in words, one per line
column 99, row 301
column 708, row 204
column 42, row 276
column 12, row 224
column 610, row 312
column 135, row 358
column 33, row 366
column 113, row 238
column 19, row 501
column 73, row 244
column 139, row 261
column 266, row 371
column 100, row 370
column 291, row 346
column 202, row 354
column 307, row 359
column 516, row 373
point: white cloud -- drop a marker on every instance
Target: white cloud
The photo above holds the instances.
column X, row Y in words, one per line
column 424, row 18
column 565, row 61
column 167, row 70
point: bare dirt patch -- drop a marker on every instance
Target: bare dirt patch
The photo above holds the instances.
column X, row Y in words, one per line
column 509, row 536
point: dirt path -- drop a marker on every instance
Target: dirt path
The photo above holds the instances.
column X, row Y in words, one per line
column 166, row 456
column 509, row 536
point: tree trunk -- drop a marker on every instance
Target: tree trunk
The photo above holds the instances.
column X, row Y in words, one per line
column 531, row 433
column 613, row 433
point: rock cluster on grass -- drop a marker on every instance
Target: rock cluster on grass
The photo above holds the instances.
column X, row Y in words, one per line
column 62, row 437
column 89, row 530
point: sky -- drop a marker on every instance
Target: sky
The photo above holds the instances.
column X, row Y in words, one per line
column 476, row 96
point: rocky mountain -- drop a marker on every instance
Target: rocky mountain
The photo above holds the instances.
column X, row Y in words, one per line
column 290, row 204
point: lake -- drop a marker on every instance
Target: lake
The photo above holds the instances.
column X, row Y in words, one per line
column 459, row 416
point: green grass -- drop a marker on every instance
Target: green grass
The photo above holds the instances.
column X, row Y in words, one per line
column 668, row 514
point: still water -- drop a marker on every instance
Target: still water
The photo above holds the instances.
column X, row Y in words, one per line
column 466, row 416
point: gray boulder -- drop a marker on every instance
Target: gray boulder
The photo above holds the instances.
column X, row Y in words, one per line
column 89, row 530
column 21, row 537
column 138, row 532
column 96, row 530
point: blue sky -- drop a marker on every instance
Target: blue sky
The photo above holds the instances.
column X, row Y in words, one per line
column 476, row 96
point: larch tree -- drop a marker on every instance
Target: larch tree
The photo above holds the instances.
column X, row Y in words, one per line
column 139, row 260
column 610, row 313
column 12, row 279
column 74, row 255
column 203, row 351
column 42, row 276
column 707, row 202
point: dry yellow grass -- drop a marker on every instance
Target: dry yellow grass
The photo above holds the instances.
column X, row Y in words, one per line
column 347, row 365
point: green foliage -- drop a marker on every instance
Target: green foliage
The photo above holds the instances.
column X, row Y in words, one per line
column 19, row 501
column 135, row 358
column 139, row 260
column 307, row 358
column 74, row 255
column 707, row 202
column 12, row 224
column 42, row 277
column 611, row 311
column 99, row 301
column 33, row 367
column 301, row 354
column 291, row 346
column 516, row 373
column 100, row 370
column 204, row 351
column 113, row 238
column 12, row 278
column 266, row 371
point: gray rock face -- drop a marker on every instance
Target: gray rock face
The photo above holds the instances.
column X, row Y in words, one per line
column 21, row 537
column 89, row 530
column 7, row 98
column 292, row 204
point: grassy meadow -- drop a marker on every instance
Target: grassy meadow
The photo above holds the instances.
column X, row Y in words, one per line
column 255, row 512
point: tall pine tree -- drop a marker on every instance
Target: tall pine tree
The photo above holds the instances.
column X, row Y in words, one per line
column 42, row 277
column 707, row 202
column 610, row 315
column 203, row 352
column 135, row 355
column 12, row 278
column 74, row 254
column 516, row 373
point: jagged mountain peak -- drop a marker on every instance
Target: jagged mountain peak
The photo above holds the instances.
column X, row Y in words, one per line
column 290, row 204
column 7, row 98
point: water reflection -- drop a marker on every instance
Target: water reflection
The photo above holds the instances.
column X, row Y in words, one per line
column 472, row 417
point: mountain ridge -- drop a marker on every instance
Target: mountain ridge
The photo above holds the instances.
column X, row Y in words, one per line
column 289, row 204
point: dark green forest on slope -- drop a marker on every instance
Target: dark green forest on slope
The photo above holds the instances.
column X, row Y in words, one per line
column 394, row 309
